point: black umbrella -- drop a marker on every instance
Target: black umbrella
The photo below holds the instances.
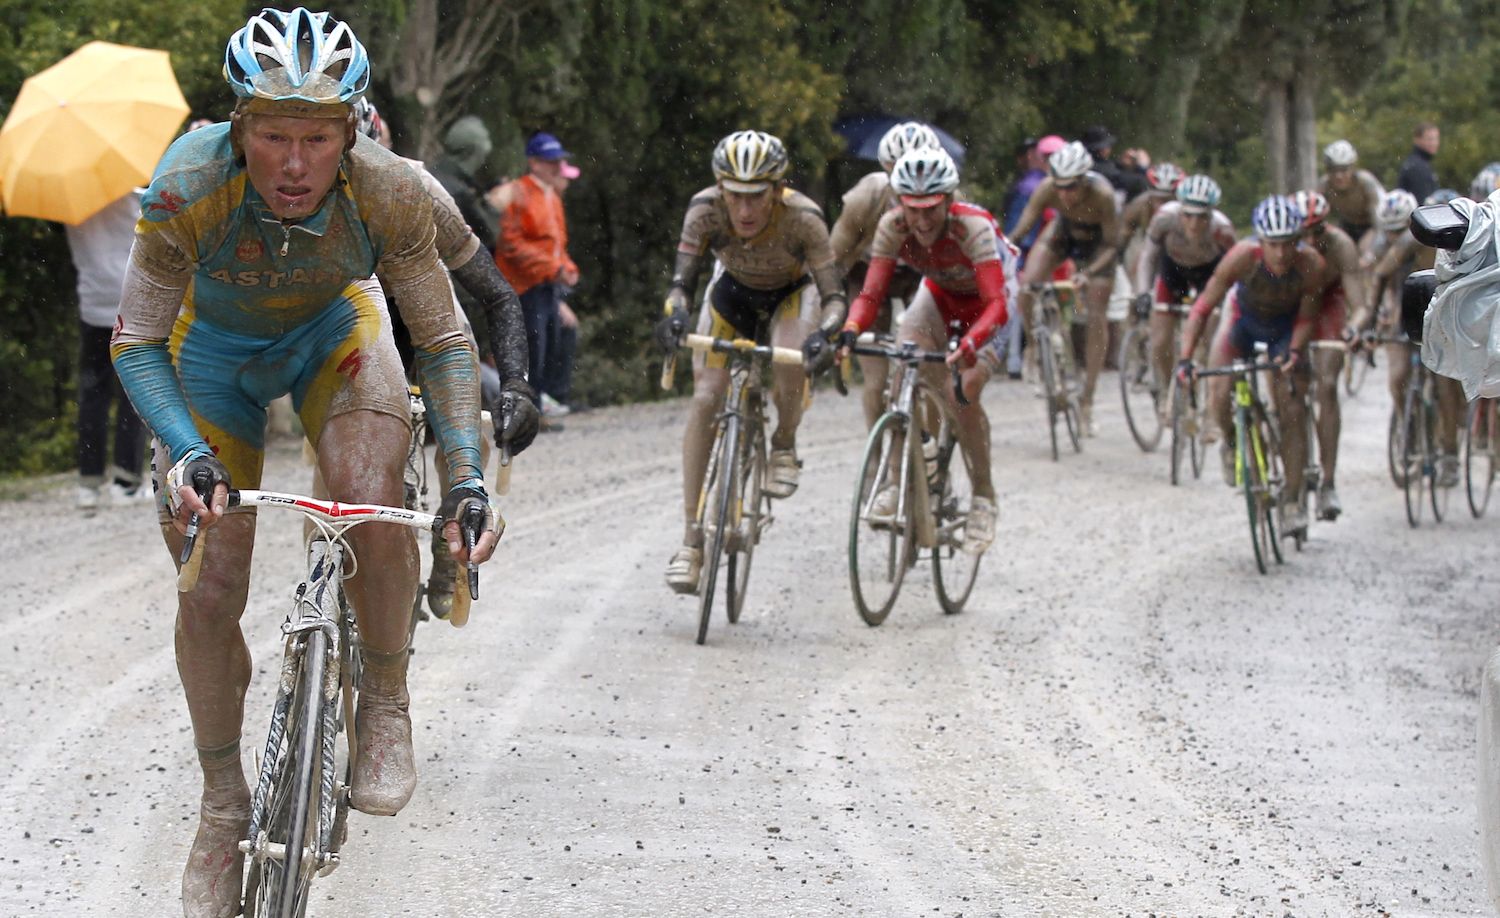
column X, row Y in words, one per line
column 865, row 131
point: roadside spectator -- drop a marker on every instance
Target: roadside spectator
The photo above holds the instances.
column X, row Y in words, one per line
column 557, row 383
column 532, row 253
column 465, row 149
column 101, row 248
column 1417, row 175
column 1099, row 142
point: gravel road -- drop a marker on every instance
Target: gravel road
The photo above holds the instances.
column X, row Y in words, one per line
column 1128, row 720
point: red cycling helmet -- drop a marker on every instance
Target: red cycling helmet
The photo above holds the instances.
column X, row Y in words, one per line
column 1313, row 205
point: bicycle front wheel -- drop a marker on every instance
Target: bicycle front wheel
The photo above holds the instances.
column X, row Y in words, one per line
column 1479, row 455
column 881, row 533
column 1248, row 474
column 1138, row 389
column 1051, row 384
column 1355, row 371
column 1395, row 448
column 746, row 529
column 277, row 885
column 953, row 569
column 1182, row 435
column 1414, row 454
column 719, row 490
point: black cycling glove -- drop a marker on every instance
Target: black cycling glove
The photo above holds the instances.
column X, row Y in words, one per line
column 670, row 329
column 1143, row 305
column 818, row 353
column 517, row 420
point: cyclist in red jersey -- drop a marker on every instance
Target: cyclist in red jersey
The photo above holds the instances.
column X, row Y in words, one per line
column 966, row 265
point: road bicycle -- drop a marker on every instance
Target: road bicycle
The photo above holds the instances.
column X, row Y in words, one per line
column 733, row 506
column 913, row 455
column 1479, row 454
column 299, row 809
column 1257, row 454
column 1051, row 325
column 1411, row 444
column 1140, row 390
column 1185, row 413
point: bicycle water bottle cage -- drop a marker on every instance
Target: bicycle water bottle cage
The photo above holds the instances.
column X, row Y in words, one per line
column 1416, row 294
column 1439, row 226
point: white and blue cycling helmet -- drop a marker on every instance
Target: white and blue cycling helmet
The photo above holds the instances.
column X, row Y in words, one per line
column 297, row 57
column 1277, row 219
column 1199, row 194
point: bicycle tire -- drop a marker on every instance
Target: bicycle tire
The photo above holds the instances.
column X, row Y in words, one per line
column 1413, row 458
column 752, row 505
column 1394, row 448
column 1138, row 385
column 1197, row 446
column 721, row 486
column 953, row 569
column 1051, row 390
column 1180, row 435
column 1247, row 473
column 1479, row 461
column 880, row 556
column 1273, row 485
column 281, row 884
column 1437, row 495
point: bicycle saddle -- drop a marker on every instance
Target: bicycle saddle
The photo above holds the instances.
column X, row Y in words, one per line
column 1416, row 293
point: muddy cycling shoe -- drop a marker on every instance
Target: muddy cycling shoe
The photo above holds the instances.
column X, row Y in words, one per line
column 1329, row 506
column 1293, row 520
column 1447, row 476
column 215, row 868
column 784, row 473
column 683, row 569
column 440, row 583
column 1086, row 421
column 1226, row 461
column 979, row 527
column 385, row 770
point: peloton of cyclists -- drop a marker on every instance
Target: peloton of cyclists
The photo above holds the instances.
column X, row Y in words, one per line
column 854, row 232
column 774, row 268
column 965, row 263
column 1183, row 245
column 1273, row 287
column 1087, row 230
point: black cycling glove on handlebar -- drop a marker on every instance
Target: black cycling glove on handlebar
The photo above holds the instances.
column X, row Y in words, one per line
column 1143, row 306
column 517, row 420
column 459, row 500
column 205, row 473
column 670, row 329
column 818, row 353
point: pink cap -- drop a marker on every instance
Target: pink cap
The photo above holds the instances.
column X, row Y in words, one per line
column 570, row 171
column 1050, row 144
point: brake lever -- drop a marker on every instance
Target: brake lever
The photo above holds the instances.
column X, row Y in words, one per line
column 201, row 480
column 471, row 524
column 958, row 386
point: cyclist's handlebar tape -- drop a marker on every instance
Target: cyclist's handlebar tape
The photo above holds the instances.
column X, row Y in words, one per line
column 459, row 614
column 187, row 575
column 668, row 372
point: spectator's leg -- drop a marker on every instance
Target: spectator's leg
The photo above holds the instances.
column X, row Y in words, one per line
column 560, row 359
column 96, row 376
column 538, row 307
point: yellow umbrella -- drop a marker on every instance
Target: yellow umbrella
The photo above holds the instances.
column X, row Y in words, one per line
column 86, row 130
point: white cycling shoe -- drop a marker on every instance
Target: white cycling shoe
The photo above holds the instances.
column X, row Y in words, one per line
column 979, row 526
column 684, row 568
column 783, row 473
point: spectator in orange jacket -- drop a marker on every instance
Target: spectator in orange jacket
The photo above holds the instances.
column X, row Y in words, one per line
column 532, row 250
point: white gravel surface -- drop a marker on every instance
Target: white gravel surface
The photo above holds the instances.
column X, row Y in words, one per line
column 1128, row 719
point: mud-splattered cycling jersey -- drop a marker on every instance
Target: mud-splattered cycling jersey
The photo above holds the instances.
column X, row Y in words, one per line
column 1087, row 230
column 1183, row 262
column 1355, row 206
column 854, row 231
column 214, row 272
column 966, row 263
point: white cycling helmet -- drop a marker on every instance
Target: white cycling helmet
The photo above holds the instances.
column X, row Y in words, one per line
column 1340, row 154
column 923, row 177
column 908, row 135
column 1070, row 163
column 1277, row 219
column 1164, row 177
column 1199, row 194
column 297, row 63
column 749, row 161
column 1395, row 209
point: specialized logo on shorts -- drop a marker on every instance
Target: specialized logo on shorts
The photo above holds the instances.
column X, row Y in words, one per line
column 171, row 203
column 352, row 363
column 249, row 250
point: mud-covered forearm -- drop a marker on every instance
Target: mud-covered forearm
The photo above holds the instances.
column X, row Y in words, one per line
column 684, row 281
column 502, row 314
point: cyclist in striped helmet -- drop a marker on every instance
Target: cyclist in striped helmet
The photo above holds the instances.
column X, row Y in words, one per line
column 250, row 278
column 774, row 277
column 1182, row 247
column 1271, row 287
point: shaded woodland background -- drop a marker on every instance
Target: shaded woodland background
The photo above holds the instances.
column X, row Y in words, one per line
column 640, row 90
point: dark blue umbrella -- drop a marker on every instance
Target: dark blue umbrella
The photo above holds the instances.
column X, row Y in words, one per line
column 865, row 131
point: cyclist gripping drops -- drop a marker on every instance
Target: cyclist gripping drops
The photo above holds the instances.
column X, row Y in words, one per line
column 775, row 271
column 251, row 277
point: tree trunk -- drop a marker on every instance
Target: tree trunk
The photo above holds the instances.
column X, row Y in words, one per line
column 1274, row 135
column 1303, row 171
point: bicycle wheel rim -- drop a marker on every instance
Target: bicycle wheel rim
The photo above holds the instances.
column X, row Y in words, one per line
column 1197, row 445
column 953, row 569
column 722, row 489
column 1273, row 485
column 1413, row 462
column 1395, row 448
column 1246, row 473
column 1437, row 495
column 1136, row 385
column 877, row 557
column 747, row 530
column 282, row 884
column 1179, row 429
column 1046, row 361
